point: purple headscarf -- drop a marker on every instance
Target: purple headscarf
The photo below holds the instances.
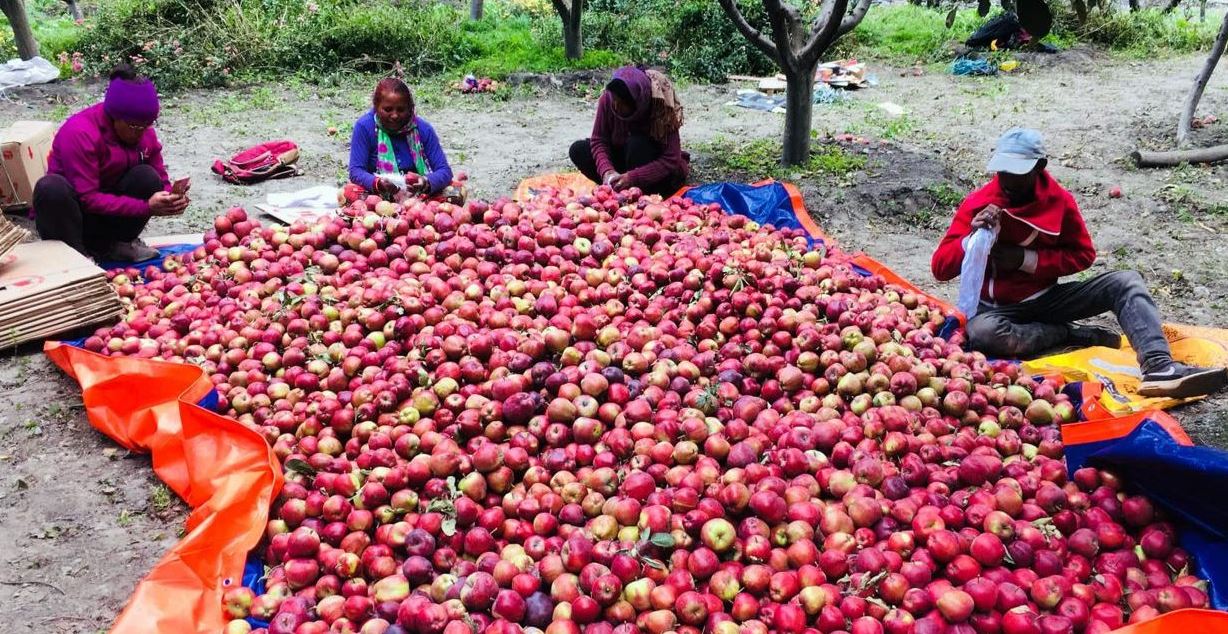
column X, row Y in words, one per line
column 640, row 87
column 135, row 101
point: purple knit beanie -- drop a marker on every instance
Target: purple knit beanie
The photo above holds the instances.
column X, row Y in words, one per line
column 135, row 101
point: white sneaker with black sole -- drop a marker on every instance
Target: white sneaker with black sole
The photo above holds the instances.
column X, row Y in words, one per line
column 1179, row 380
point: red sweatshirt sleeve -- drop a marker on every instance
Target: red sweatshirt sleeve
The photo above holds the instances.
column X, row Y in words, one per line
column 77, row 154
column 601, row 132
column 1074, row 251
column 669, row 163
column 949, row 256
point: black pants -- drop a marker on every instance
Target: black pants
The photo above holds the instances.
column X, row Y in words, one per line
column 639, row 150
column 1028, row 328
column 59, row 216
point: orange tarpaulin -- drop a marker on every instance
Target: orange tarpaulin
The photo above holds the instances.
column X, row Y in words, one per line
column 226, row 472
column 1188, row 621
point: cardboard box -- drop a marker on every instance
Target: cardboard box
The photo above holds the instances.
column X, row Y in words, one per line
column 47, row 288
column 24, row 147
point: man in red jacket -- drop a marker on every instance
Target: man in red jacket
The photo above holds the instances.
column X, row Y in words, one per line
column 1041, row 238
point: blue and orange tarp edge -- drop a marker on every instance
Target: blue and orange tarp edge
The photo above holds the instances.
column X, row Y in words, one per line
column 226, row 472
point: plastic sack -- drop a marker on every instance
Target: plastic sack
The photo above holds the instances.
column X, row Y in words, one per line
column 19, row 72
column 972, row 271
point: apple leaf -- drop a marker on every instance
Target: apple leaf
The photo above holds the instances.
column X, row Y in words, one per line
column 300, row 466
column 662, row 540
column 448, row 527
column 655, row 563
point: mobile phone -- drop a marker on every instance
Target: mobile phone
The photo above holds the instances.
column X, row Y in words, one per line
column 180, row 187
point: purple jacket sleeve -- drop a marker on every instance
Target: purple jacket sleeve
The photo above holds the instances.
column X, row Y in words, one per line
column 668, row 164
column 601, row 132
column 441, row 173
column 76, row 152
column 361, row 150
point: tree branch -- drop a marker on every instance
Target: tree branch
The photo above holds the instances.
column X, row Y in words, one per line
column 784, row 19
column 1200, row 83
column 759, row 40
column 851, row 20
column 825, row 32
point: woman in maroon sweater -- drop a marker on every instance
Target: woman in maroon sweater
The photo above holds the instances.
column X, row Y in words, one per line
column 635, row 141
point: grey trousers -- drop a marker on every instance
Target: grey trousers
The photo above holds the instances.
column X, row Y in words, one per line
column 1028, row 328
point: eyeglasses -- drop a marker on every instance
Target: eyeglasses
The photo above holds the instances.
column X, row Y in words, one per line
column 140, row 127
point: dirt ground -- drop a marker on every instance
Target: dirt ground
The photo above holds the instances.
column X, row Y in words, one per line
column 86, row 520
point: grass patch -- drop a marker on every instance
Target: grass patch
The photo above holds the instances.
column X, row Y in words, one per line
column 760, row 158
column 1149, row 33
column 160, row 498
column 1189, row 205
column 502, row 45
column 908, row 34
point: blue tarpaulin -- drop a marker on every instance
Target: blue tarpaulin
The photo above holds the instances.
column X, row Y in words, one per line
column 767, row 204
column 1186, row 481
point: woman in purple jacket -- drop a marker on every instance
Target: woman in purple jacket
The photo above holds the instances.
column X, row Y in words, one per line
column 634, row 142
column 392, row 143
column 105, row 177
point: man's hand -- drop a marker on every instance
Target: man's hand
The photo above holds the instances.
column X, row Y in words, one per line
column 987, row 218
column 415, row 183
column 167, row 204
column 1007, row 257
column 610, row 177
column 620, row 183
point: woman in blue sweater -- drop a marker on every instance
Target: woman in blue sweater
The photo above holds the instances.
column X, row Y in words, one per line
column 391, row 142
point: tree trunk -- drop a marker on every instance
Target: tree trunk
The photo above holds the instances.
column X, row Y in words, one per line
column 1134, row 6
column 573, row 46
column 475, row 10
column 799, row 104
column 1213, row 154
column 1200, row 83
column 74, row 10
column 15, row 11
column 1080, row 9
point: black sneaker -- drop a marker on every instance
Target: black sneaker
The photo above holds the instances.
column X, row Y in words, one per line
column 1179, row 380
column 1087, row 336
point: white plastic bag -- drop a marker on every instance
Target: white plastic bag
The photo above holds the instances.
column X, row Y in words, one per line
column 972, row 271
column 395, row 179
column 27, row 72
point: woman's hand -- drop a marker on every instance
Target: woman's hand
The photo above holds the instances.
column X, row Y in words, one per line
column 385, row 187
column 416, row 183
column 168, row 204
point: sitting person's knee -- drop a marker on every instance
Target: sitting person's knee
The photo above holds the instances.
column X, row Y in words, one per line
column 982, row 332
column 580, row 151
column 52, row 184
column 995, row 336
column 143, row 181
column 1128, row 280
